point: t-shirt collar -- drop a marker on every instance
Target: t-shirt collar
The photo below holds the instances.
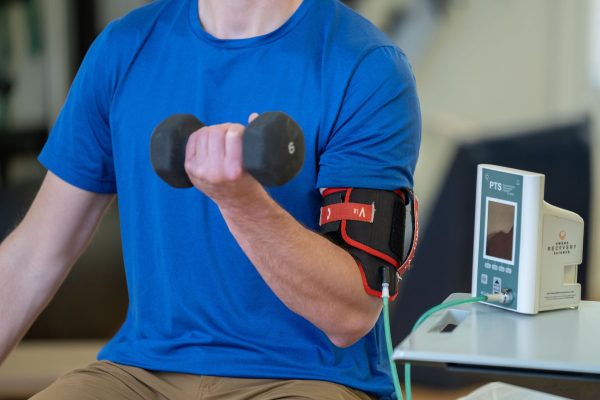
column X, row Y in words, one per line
column 247, row 42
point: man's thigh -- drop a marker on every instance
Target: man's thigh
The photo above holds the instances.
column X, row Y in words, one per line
column 109, row 381
column 105, row 380
column 217, row 388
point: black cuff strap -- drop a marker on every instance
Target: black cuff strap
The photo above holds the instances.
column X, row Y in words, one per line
column 378, row 228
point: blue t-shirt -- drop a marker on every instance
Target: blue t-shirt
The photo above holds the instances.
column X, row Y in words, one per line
column 196, row 303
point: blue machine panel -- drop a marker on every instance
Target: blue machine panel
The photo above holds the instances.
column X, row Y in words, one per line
column 499, row 233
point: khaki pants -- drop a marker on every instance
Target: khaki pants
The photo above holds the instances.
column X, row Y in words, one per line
column 105, row 380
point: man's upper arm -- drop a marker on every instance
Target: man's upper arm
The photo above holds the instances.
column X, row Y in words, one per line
column 36, row 257
column 61, row 221
column 374, row 144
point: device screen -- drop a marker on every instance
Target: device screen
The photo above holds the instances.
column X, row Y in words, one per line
column 500, row 230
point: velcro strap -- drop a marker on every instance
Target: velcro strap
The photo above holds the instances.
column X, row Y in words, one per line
column 347, row 211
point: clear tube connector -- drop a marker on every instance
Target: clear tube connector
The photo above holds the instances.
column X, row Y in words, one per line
column 385, row 290
column 505, row 296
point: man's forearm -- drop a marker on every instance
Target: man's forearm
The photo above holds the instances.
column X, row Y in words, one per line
column 24, row 291
column 312, row 276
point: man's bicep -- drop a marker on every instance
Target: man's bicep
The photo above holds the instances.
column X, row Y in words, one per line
column 61, row 220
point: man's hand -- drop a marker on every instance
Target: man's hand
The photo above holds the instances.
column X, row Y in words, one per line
column 214, row 163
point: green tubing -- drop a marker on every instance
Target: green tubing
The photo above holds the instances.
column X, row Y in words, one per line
column 388, row 337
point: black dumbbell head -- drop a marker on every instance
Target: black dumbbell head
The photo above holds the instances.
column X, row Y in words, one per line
column 273, row 148
column 167, row 148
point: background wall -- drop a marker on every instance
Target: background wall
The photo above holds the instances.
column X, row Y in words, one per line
column 497, row 67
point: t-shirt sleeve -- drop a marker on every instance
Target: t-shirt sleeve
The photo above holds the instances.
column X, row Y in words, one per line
column 375, row 140
column 79, row 148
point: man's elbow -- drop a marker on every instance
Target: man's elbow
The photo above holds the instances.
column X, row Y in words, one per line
column 344, row 341
column 352, row 330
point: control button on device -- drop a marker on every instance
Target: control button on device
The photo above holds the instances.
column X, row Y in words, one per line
column 501, row 268
column 496, row 285
column 484, row 279
column 487, row 265
column 494, row 267
column 508, row 270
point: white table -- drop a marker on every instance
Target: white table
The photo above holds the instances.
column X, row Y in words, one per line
column 563, row 344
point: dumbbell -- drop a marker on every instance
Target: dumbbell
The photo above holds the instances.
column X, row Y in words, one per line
column 272, row 148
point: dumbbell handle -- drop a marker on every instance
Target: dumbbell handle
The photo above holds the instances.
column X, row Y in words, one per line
column 273, row 148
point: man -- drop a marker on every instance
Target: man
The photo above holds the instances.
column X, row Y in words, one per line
column 232, row 293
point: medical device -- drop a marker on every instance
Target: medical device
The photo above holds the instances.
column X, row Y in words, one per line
column 526, row 252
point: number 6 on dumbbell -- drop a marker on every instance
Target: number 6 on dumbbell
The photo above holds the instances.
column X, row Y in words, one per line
column 273, row 148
